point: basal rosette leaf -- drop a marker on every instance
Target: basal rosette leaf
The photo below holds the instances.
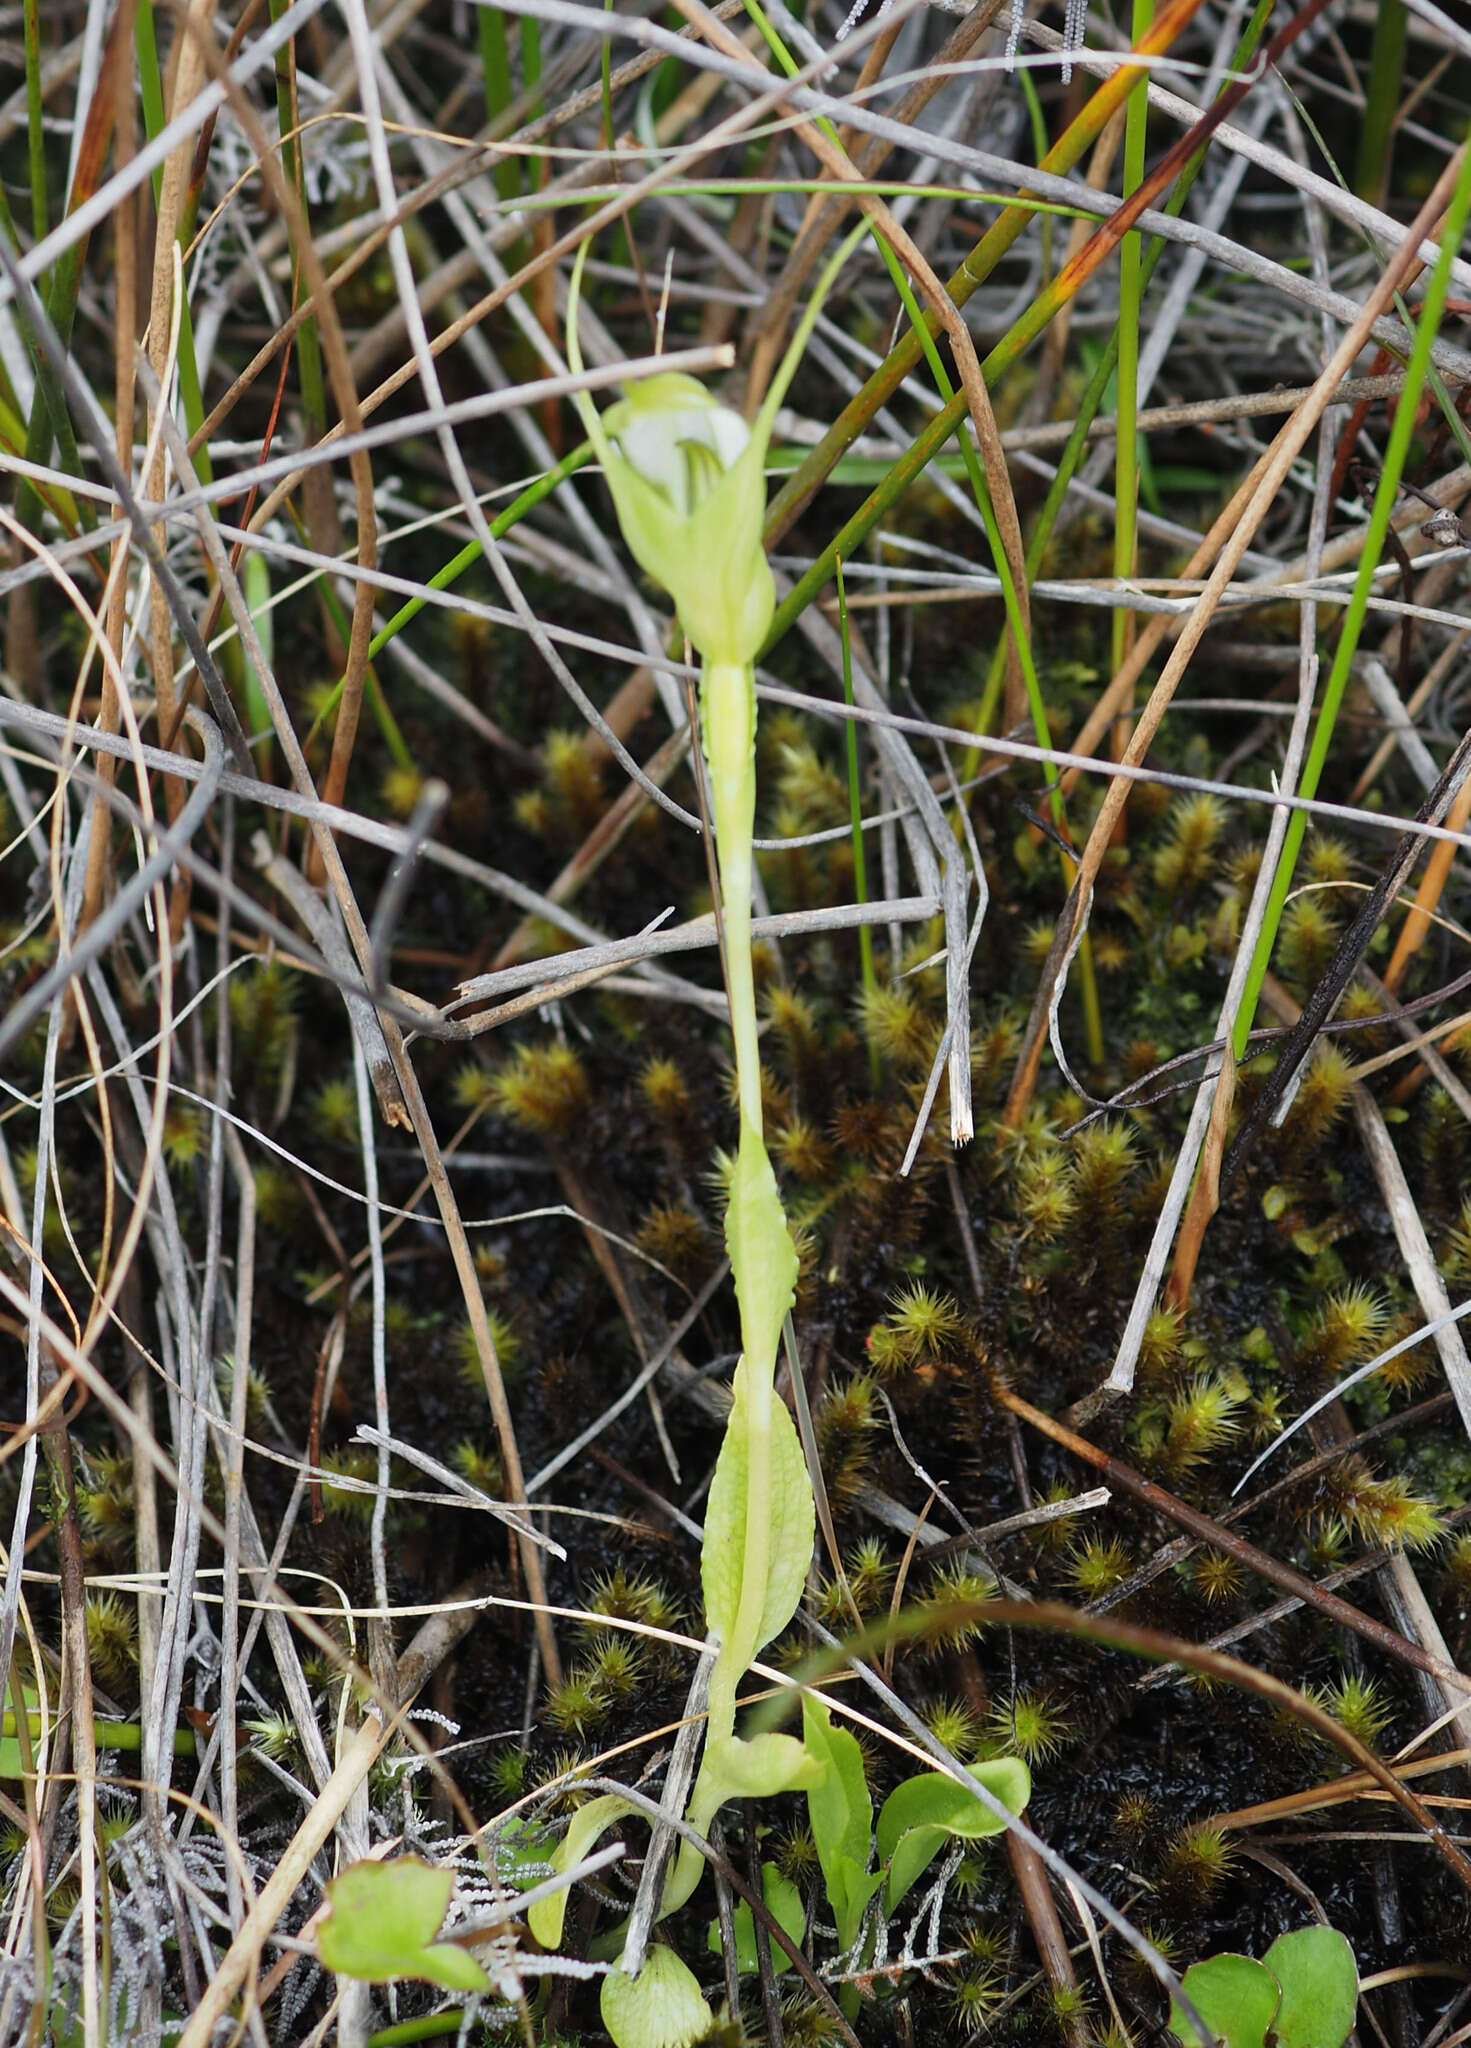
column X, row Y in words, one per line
column 841, row 1813
column 784, row 1903
column 1320, row 1987
column 1235, row 1997
column 923, row 1813
column 839, row 1806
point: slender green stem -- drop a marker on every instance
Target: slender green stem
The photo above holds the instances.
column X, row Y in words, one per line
column 728, row 711
column 308, row 344
column 452, row 571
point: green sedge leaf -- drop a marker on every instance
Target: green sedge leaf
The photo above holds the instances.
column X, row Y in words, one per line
column 381, row 1924
column 784, row 1903
column 790, row 1520
column 1235, row 1997
column 663, row 2007
column 1320, row 1987
column 934, row 1800
column 546, row 1916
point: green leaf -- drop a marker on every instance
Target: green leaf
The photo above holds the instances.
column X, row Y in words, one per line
column 1320, row 1987
column 839, row 1805
column 382, row 1921
column 934, row 1800
column 662, row 2007
column 921, row 1815
column 784, row 1903
column 841, row 1813
column 1235, row 1997
column 913, row 1854
column 849, row 1885
column 546, row 1916
column 791, row 1521
column 757, row 1769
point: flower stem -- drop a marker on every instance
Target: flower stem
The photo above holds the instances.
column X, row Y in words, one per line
column 728, row 691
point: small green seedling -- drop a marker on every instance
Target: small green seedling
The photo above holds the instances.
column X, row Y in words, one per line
column 382, row 1922
column 1302, row 1994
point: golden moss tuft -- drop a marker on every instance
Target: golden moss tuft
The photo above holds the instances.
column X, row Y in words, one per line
column 543, row 1088
column 1187, row 858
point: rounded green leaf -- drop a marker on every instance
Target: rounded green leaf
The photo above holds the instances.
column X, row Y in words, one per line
column 663, row 2007
column 1235, row 1997
column 914, row 1852
column 381, row 1922
column 1320, row 1987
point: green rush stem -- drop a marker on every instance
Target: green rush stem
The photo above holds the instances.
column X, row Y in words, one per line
column 308, row 346
column 531, row 63
column 121, row 1735
column 855, row 812
column 1093, row 397
column 1431, row 311
column 1039, row 143
column 150, row 90
column 495, row 65
column 1386, row 76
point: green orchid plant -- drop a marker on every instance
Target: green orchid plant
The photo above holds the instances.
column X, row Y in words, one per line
column 687, row 476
